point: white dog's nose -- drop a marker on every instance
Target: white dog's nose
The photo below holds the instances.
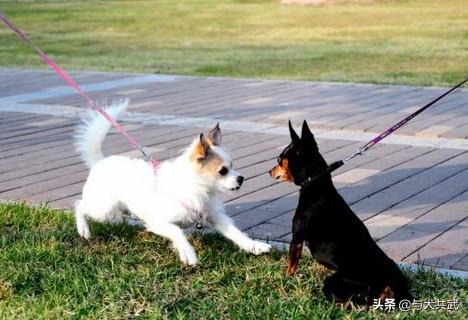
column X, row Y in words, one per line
column 240, row 180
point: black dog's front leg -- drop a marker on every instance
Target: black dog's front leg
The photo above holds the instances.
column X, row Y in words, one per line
column 295, row 252
column 295, row 249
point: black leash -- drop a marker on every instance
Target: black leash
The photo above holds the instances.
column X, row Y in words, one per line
column 337, row 164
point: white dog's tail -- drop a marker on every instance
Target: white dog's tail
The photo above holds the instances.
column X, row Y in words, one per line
column 91, row 133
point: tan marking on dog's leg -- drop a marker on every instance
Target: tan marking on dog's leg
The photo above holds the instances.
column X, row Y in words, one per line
column 387, row 293
column 295, row 253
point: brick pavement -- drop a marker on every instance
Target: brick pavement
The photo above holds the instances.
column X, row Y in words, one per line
column 411, row 192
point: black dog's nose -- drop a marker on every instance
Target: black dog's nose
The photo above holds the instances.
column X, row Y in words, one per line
column 240, row 179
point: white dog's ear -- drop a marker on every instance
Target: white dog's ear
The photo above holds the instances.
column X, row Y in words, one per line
column 201, row 149
column 214, row 136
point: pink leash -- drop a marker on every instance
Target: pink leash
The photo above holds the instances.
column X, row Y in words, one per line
column 72, row 83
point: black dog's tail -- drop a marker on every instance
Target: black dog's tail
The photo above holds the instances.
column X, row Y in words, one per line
column 402, row 291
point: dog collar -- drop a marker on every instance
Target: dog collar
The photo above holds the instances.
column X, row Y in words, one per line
column 332, row 167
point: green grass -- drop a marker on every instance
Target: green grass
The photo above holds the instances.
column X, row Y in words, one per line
column 405, row 41
column 48, row 272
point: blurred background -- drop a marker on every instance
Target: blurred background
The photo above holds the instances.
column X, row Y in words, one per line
column 418, row 42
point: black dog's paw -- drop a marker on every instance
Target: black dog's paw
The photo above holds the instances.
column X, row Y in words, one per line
column 340, row 291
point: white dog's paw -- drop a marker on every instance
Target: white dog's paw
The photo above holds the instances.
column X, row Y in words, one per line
column 188, row 256
column 257, row 247
column 83, row 230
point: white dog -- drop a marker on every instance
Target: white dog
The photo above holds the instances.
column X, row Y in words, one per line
column 183, row 191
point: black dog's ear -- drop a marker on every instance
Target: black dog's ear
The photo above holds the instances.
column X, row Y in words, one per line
column 294, row 137
column 306, row 134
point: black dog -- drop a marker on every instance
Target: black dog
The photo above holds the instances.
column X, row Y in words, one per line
column 334, row 234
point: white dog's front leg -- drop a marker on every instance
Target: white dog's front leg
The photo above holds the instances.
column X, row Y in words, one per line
column 224, row 224
column 176, row 235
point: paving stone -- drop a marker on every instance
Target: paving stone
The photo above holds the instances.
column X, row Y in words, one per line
column 288, row 115
column 433, row 131
column 409, row 110
column 408, row 210
column 257, row 101
column 409, row 239
column 403, row 164
column 445, row 250
column 460, row 132
column 137, row 153
column 284, row 219
column 375, row 111
column 411, row 185
column 267, row 231
column 461, row 264
column 146, row 104
column 355, row 175
column 131, row 91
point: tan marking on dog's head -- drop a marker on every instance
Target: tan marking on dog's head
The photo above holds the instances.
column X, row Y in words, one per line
column 205, row 158
column 281, row 171
column 200, row 150
column 214, row 136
